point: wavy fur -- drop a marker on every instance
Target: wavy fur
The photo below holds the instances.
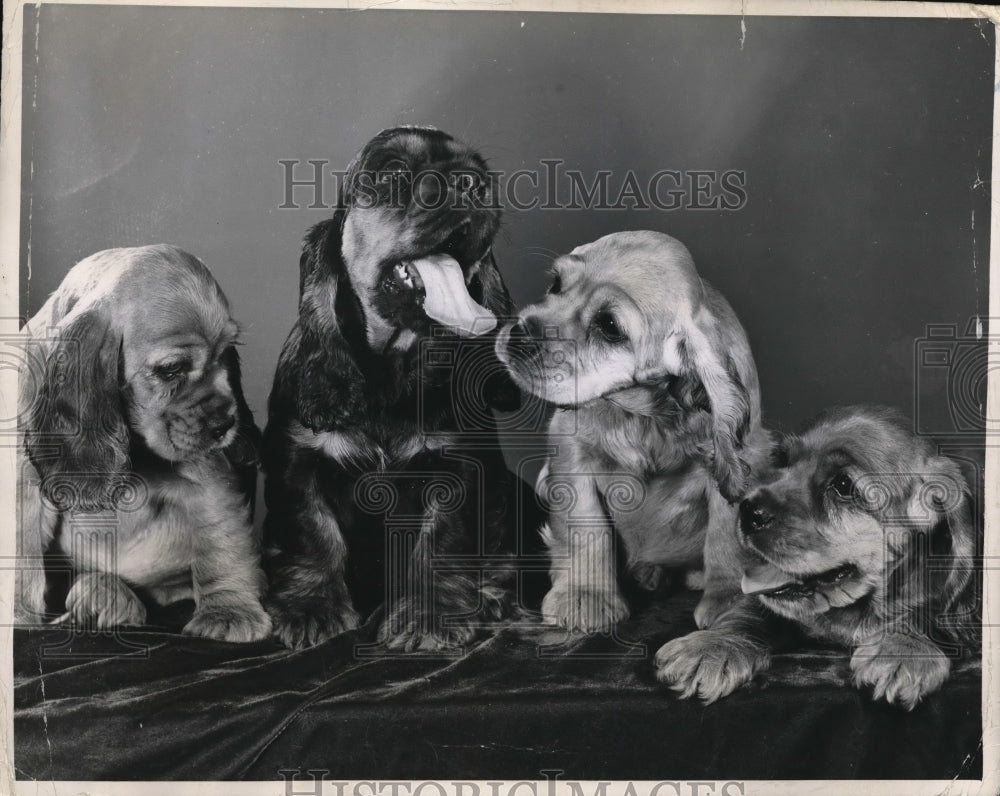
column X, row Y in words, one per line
column 135, row 410
column 358, row 409
column 658, row 398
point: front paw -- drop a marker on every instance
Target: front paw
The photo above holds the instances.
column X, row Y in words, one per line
column 584, row 609
column 900, row 669
column 236, row 623
column 103, row 601
column 407, row 631
column 709, row 663
column 299, row 626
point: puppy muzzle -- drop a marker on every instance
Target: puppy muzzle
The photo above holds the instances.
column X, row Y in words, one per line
column 525, row 335
column 201, row 430
column 755, row 517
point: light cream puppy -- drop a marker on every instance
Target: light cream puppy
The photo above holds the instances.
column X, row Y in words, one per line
column 137, row 450
column 864, row 536
column 657, row 426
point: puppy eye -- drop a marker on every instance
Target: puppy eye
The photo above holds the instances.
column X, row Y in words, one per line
column 843, row 486
column 169, row 371
column 556, row 287
column 607, row 326
column 392, row 170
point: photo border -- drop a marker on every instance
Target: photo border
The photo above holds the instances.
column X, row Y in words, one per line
column 743, row 14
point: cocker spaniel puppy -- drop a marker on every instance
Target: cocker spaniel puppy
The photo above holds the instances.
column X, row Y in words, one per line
column 385, row 479
column 657, row 423
column 863, row 536
column 138, row 451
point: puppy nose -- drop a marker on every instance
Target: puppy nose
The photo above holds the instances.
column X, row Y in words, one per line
column 519, row 333
column 526, row 330
column 220, row 428
column 754, row 517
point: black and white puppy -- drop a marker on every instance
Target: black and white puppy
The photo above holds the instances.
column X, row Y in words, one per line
column 385, row 479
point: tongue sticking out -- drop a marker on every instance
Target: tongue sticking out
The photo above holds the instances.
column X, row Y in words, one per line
column 447, row 299
column 763, row 578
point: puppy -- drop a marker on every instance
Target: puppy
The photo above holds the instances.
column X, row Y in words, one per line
column 658, row 419
column 138, row 451
column 861, row 535
column 384, row 471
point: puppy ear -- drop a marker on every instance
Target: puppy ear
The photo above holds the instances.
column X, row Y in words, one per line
column 318, row 378
column 322, row 241
column 705, row 355
column 954, row 536
column 488, row 289
column 77, row 436
column 244, row 450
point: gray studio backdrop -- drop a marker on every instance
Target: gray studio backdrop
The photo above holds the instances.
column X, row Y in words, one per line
column 864, row 146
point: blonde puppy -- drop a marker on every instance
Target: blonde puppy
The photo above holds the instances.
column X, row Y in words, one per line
column 657, row 427
column 863, row 536
column 138, row 452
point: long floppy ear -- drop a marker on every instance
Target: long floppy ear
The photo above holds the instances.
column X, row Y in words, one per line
column 488, row 288
column 705, row 353
column 321, row 241
column 318, row 378
column 954, row 536
column 77, row 436
column 244, row 450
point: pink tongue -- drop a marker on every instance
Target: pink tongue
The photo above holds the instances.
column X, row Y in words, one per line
column 764, row 577
column 447, row 299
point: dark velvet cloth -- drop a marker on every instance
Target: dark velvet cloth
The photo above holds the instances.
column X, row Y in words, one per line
column 156, row 705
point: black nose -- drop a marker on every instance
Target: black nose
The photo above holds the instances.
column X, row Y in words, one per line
column 754, row 517
column 519, row 333
column 526, row 330
column 220, row 428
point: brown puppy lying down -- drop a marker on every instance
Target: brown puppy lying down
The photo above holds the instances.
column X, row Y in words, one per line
column 137, row 455
column 657, row 426
column 862, row 535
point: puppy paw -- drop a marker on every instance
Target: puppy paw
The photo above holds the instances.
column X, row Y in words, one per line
column 709, row 664
column 236, row 623
column 586, row 610
column 307, row 626
column 418, row 636
column 900, row 669
column 413, row 628
column 101, row 601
